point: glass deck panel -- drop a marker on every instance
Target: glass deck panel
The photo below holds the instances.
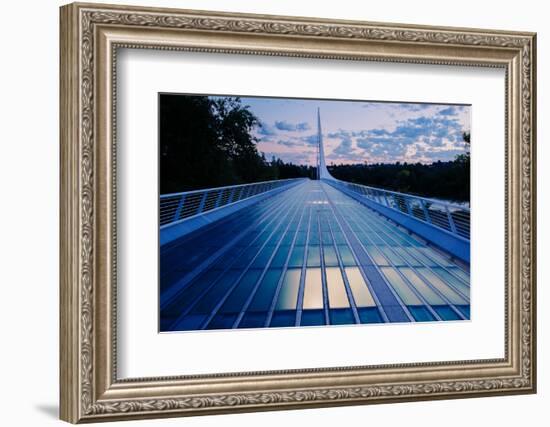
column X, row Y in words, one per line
column 252, row 262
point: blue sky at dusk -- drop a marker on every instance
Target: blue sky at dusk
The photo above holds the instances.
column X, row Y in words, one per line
column 359, row 131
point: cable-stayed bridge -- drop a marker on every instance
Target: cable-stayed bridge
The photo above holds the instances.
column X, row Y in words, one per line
column 303, row 252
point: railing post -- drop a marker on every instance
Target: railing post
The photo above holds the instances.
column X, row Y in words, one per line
column 369, row 194
column 387, row 201
column 231, row 194
column 426, row 214
column 451, row 220
column 179, row 208
column 408, row 206
column 244, row 192
column 203, row 201
column 219, row 198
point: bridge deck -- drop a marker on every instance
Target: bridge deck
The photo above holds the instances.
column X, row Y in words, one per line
column 308, row 256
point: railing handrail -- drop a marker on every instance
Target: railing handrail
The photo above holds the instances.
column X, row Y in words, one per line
column 411, row 196
column 177, row 207
column 163, row 196
column 452, row 218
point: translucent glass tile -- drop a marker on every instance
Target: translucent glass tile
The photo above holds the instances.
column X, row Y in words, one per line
column 337, row 297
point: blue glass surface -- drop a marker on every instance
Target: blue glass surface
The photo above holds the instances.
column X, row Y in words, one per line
column 341, row 316
column 248, row 268
column 312, row 318
column 369, row 315
column 465, row 310
column 446, row 312
column 264, row 294
column 421, row 314
column 255, row 319
column 283, row 318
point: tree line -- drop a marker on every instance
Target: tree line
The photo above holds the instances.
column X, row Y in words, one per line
column 446, row 180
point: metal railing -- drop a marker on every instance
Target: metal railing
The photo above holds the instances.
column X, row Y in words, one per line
column 448, row 216
column 178, row 206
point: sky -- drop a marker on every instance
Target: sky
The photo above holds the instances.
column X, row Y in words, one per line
column 359, row 131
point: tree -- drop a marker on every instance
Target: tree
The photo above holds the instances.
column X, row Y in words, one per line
column 447, row 180
column 207, row 142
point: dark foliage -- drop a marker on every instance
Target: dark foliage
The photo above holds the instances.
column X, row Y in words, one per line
column 446, row 180
column 290, row 170
column 207, row 142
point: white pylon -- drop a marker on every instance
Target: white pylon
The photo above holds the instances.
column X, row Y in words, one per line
column 322, row 171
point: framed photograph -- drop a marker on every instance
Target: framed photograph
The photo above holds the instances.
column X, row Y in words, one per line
column 266, row 212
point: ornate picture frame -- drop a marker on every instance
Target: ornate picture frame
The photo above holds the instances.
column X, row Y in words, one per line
column 91, row 34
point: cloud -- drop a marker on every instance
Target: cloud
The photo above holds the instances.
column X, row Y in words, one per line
column 423, row 138
column 414, row 107
column 266, row 130
column 296, row 127
column 345, row 147
column 288, row 143
column 310, row 139
column 450, row 111
column 398, row 132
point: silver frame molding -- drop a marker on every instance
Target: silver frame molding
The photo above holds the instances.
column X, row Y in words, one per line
column 90, row 36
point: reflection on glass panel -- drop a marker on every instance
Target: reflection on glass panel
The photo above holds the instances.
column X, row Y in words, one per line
column 421, row 313
column 339, row 238
column 241, row 292
column 354, row 226
column 263, row 257
column 388, row 239
column 421, row 257
column 313, row 292
column 449, row 278
column 301, row 238
column 406, row 255
column 411, row 240
column 313, row 238
column 289, row 290
column 289, row 238
column 429, row 294
column 337, row 297
column 442, row 287
column 274, row 239
column 312, row 318
column 376, row 240
column 359, row 289
column 264, row 295
column 297, row 257
column 392, row 256
column 192, row 291
column 397, row 282
column 346, row 255
column 369, row 315
column 280, row 256
column 462, row 274
column 376, row 255
column 253, row 320
column 313, row 256
column 331, row 260
column 209, row 301
column 247, row 256
column 446, row 312
column 341, row 316
column 439, row 259
column 323, row 224
column 327, row 238
column 283, row 318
